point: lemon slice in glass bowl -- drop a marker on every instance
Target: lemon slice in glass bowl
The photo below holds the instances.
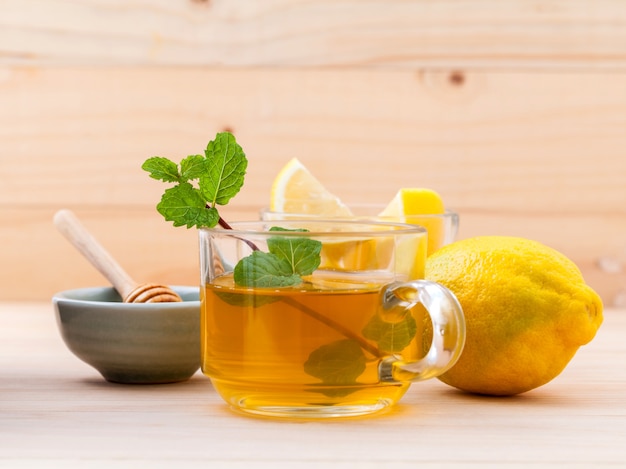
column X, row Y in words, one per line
column 297, row 193
column 414, row 201
column 296, row 190
column 419, row 206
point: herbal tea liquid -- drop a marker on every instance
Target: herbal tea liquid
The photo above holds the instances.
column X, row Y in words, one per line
column 295, row 347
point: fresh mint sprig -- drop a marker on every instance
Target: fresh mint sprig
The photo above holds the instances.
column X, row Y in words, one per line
column 201, row 182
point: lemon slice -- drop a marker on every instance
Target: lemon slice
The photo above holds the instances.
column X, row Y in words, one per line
column 296, row 190
column 414, row 201
column 419, row 206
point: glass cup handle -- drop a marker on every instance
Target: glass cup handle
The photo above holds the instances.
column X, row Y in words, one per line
column 448, row 325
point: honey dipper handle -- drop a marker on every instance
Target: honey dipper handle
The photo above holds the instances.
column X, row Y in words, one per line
column 67, row 223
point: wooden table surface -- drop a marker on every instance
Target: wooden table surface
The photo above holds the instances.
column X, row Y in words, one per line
column 56, row 411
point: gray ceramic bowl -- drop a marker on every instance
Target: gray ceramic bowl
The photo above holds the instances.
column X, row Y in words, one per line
column 132, row 343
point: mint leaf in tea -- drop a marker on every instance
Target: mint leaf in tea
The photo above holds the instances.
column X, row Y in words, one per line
column 287, row 260
column 339, row 363
column 303, row 254
column 391, row 336
column 264, row 269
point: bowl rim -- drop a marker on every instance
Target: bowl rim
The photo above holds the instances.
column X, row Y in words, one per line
column 63, row 296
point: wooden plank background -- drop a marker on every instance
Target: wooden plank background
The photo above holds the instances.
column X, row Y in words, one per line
column 514, row 111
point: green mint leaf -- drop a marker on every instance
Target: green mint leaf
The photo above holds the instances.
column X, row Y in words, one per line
column 219, row 175
column 184, row 205
column 303, row 254
column 287, row 260
column 391, row 336
column 263, row 269
column 192, row 167
column 162, row 169
column 225, row 168
column 339, row 363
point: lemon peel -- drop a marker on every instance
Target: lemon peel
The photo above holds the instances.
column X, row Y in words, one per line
column 527, row 310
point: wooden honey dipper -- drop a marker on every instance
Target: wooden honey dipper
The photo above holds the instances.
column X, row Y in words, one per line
column 131, row 292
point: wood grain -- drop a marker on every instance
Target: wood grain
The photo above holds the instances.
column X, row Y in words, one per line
column 58, row 411
column 514, row 111
column 546, row 162
column 82, row 134
column 572, row 34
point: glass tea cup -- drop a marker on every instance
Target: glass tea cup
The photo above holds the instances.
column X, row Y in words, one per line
column 442, row 228
column 321, row 318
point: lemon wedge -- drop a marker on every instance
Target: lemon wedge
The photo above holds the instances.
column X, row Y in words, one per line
column 419, row 206
column 414, row 201
column 296, row 191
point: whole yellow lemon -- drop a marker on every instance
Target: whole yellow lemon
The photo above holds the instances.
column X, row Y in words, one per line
column 527, row 311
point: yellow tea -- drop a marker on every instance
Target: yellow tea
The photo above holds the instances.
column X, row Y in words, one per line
column 315, row 344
